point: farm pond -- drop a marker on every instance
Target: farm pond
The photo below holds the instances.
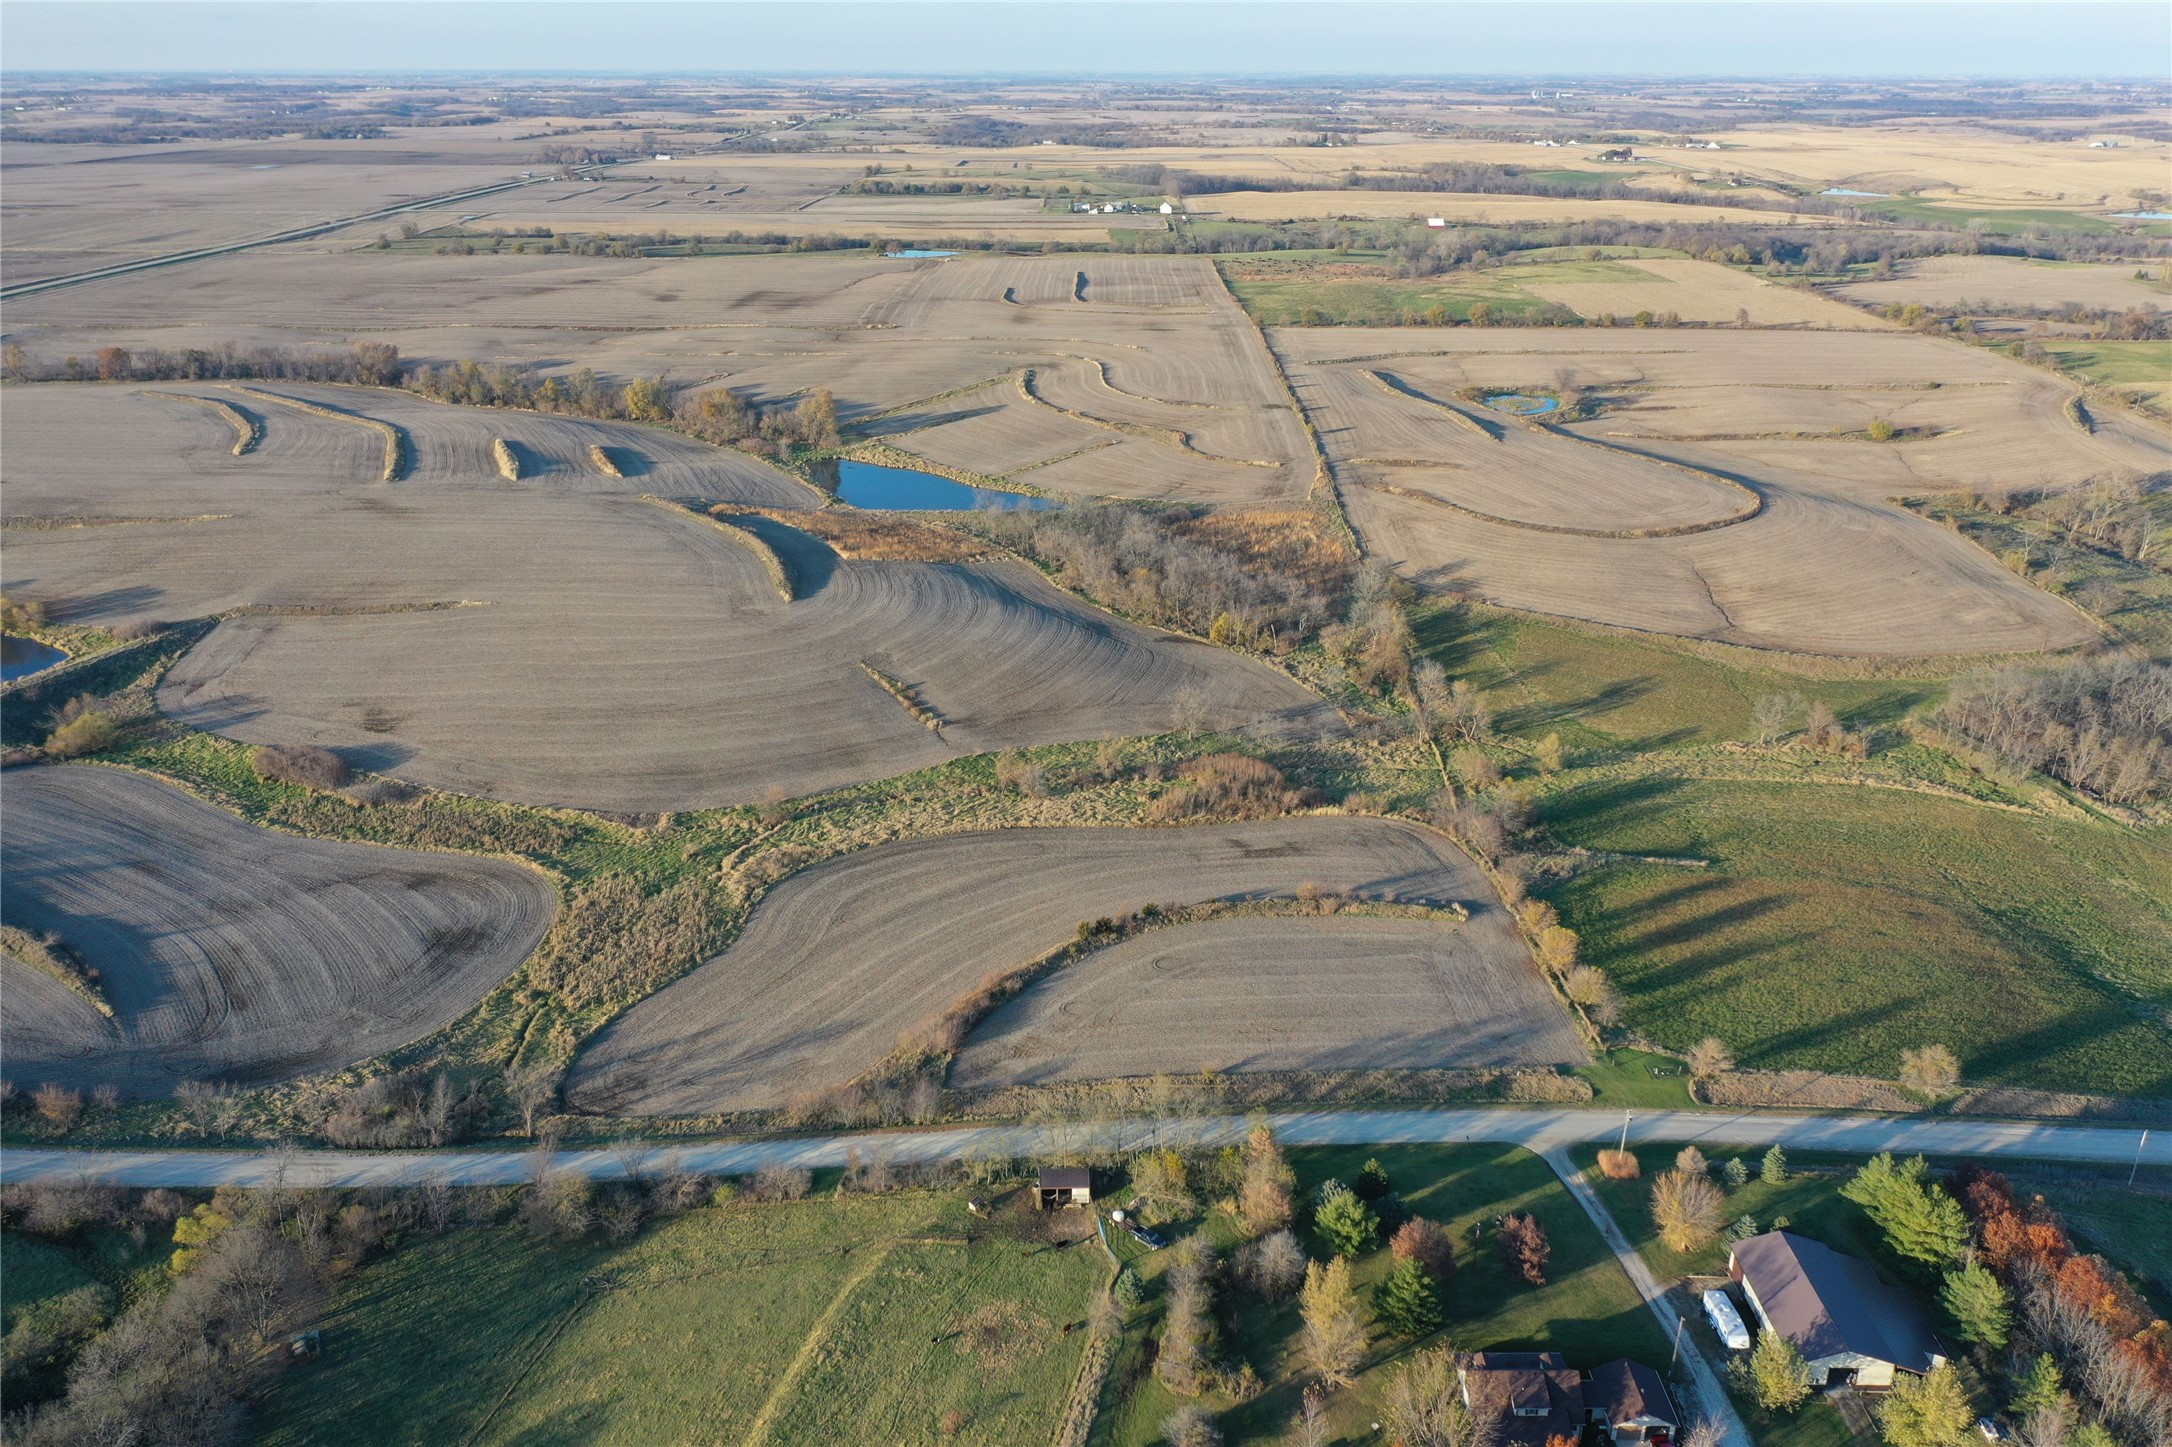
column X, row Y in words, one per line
column 903, row 489
column 1522, row 404
column 21, row 657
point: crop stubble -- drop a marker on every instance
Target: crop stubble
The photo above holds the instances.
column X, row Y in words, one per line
column 842, row 960
column 231, row 952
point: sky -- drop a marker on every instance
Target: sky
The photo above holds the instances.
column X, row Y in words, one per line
column 1102, row 38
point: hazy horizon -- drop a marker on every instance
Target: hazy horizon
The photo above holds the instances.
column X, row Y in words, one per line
column 1110, row 39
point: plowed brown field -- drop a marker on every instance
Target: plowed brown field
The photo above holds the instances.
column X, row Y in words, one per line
column 843, row 959
column 230, row 952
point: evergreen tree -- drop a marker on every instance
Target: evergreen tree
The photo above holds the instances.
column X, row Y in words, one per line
column 2038, row 1386
column 1346, row 1223
column 1921, row 1223
column 1773, row 1172
column 1978, row 1304
column 1738, row 1174
column 1408, row 1302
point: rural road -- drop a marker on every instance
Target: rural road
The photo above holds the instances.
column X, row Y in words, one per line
column 1538, row 1130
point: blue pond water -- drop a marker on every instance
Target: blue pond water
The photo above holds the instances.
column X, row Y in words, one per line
column 913, row 253
column 1522, row 404
column 21, row 657
column 2143, row 215
column 901, row 489
column 1844, row 191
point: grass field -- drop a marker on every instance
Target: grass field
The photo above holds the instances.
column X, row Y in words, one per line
column 1837, row 926
column 1607, row 692
column 2140, row 369
column 831, row 1319
column 1587, row 1310
column 1280, row 292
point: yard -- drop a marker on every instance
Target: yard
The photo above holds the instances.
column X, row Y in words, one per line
column 1587, row 1310
column 828, row 1319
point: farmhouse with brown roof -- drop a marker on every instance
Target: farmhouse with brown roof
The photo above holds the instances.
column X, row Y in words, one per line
column 1536, row 1397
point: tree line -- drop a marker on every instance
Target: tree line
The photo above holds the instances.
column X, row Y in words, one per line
column 2102, row 724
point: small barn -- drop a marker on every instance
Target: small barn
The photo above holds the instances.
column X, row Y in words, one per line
column 1062, row 1187
column 1851, row 1328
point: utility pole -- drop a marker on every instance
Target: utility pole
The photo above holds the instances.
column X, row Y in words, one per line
column 2137, row 1157
column 1625, row 1131
column 1676, row 1360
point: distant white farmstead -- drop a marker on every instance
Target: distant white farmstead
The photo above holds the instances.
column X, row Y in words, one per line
column 1437, row 222
column 663, row 155
column 1167, row 209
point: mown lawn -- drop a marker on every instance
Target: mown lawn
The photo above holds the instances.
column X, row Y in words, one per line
column 1587, row 1310
column 832, row 1319
column 1838, row 925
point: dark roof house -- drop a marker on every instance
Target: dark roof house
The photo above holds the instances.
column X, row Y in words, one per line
column 1534, row 1396
column 1849, row 1326
column 1630, row 1401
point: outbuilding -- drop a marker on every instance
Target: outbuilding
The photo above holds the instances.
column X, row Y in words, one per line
column 1062, row 1187
column 1851, row 1328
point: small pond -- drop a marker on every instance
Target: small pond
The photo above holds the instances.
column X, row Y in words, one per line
column 2142, row 215
column 1844, row 191
column 1522, row 404
column 914, row 253
column 902, row 489
column 21, row 657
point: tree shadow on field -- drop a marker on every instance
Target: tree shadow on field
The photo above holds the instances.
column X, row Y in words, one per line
column 1613, row 806
column 810, row 561
column 1843, row 1034
column 919, row 421
column 113, row 602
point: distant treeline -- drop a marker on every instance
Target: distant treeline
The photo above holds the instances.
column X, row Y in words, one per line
column 717, row 415
column 372, row 364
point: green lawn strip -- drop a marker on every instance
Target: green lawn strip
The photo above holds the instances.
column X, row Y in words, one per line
column 1587, row 1310
column 1994, row 221
column 1837, row 926
column 1623, row 1079
column 687, row 1332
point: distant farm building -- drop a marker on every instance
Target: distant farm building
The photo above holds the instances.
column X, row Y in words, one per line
column 1618, row 153
column 1167, row 209
column 1536, row 1397
column 663, row 156
column 1851, row 1328
column 1061, row 1187
column 1436, row 222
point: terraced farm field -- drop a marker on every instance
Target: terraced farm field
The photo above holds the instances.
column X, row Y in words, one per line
column 1824, row 565
column 625, row 656
column 230, row 952
column 1146, row 360
column 1277, row 994
column 843, row 960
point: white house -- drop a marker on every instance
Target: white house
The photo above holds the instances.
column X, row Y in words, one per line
column 1167, row 209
